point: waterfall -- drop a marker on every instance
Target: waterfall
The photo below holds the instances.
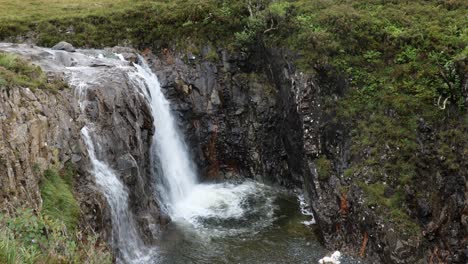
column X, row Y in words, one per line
column 126, row 240
column 177, row 169
column 186, row 200
column 125, row 236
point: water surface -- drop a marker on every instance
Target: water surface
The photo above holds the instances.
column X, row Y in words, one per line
column 240, row 223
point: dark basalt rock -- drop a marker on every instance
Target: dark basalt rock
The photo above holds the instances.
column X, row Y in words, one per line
column 254, row 115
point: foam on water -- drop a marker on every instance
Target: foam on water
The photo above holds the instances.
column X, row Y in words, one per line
column 333, row 259
column 226, row 209
column 306, row 210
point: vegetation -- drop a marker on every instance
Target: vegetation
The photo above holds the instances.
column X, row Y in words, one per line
column 28, row 237
column 405, row 60
column 15, row 71
column 58, row 200
column 324, row 168
column 49, row 236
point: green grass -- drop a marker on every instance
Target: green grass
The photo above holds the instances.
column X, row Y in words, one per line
column 51, row 235
column 27, row 237
column 324, row 168
column 36, row 10
column 15, row 71
column 390, row 206
column 58, row 200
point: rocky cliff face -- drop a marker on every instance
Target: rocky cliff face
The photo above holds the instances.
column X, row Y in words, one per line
column 37, row 131
column 259, row 117
column 243, row 116
column 41, row 129
column 230, row 116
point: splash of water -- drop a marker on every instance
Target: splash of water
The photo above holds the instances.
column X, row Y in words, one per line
column 187, row 201
column 125, row 237
column 176, row 166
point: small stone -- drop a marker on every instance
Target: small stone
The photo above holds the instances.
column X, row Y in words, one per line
column 62, row 45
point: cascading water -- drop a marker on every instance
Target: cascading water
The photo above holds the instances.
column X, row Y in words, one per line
column 176, row 166
column 231, row 222
column 125, row 237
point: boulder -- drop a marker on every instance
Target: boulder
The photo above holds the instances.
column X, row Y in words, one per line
column 62, row 45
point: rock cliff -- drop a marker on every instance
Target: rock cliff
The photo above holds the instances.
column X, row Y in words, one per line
column 41, row 129
column 258, row 116
column 243, row 115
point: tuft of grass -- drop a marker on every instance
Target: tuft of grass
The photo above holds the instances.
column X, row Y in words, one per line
column 390, row 206
column 324, row 168
column 58, row 200
column 13, row 252
column 15, row 71
column 27, row 237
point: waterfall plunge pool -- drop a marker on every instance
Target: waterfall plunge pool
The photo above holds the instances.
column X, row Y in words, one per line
column 240, row 222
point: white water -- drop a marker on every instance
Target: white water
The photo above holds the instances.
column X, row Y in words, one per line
column 125, row 237
column 187, row 201
column 333, row 259
column 305, row 210
column 177, row 169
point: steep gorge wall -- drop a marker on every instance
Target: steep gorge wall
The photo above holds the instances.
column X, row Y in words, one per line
column 37, row 131
column 260, row 117
column 41, row 130
column 256, row 117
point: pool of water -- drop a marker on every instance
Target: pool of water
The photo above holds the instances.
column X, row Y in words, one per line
column 240, row 223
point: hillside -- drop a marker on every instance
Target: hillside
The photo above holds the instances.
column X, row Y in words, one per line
column 391, row 107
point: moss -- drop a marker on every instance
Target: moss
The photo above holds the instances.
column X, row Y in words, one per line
column 212, row 55
column 15, row 71
column 324, row 168
column 390, row 206
column 58, row 200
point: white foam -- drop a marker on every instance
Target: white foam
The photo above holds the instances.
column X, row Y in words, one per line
column 305, row 210
column 211, row 209
column 333, row 259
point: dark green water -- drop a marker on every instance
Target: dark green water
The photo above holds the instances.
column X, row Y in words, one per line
column 270, row 231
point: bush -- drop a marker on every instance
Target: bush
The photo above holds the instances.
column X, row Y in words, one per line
column 324, row 168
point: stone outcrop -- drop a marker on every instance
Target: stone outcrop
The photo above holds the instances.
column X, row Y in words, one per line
column 38, row 130
column 229, row 116
column 41, row 129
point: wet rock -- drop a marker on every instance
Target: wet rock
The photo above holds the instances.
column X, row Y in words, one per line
column 62, row 45
column 42, row 128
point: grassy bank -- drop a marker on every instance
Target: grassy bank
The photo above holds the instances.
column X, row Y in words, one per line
column 15, row 71
column 49, row 235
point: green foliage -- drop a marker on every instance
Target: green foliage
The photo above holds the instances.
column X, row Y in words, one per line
column 324, row 168
column 390, row 205
column 15, row 71
column 212, row 55
column 58, row 200
column 27, row 237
